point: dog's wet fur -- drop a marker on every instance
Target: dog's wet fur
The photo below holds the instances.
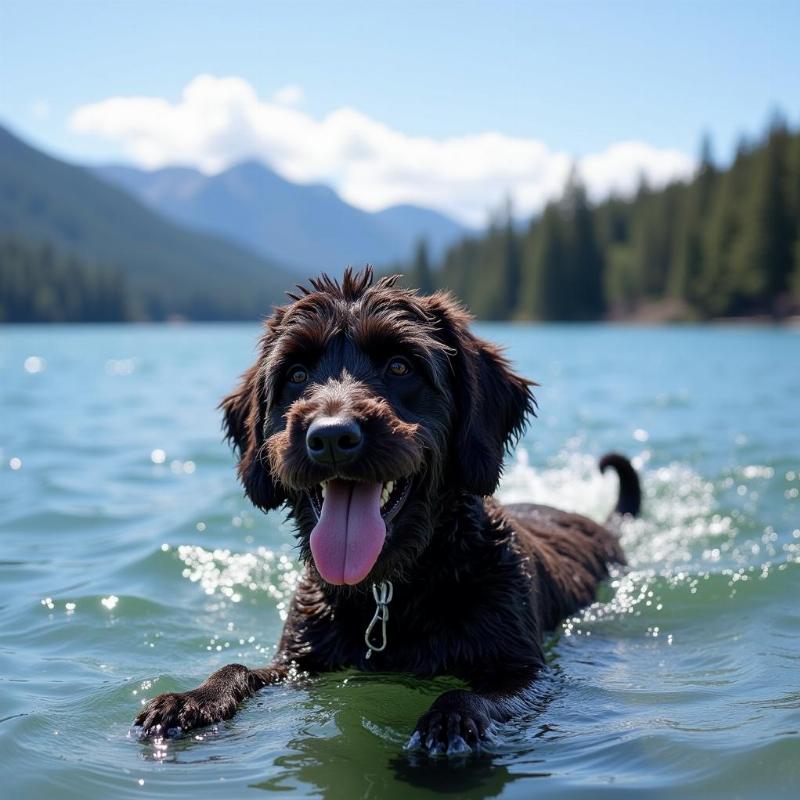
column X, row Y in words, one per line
column 476, row 584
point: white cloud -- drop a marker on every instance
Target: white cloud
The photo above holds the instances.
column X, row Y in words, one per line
column 291, row 95
column 219, row 121
column 621, row 167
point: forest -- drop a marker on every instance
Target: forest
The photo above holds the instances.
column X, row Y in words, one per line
column 40, row 284
column 726, row 244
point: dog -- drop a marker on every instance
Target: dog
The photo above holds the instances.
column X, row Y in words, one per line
column 380, row 422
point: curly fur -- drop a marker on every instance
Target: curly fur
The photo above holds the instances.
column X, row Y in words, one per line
column 476, row 584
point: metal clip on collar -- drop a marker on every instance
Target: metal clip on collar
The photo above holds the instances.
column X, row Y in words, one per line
column 382, row 593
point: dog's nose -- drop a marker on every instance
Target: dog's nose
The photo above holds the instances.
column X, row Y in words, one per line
column 333, row 440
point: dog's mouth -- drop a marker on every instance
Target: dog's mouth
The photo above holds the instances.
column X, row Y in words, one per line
column 393, row 495
column 351, row 525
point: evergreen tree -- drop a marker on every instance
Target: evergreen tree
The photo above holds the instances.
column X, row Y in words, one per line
column 511, row 276
column 764, row 258
column 713, row 291
column 543, row 290
column 488, row 292
column 793, row 194
column 423, row 277
column 687, row 264
column 583, row 262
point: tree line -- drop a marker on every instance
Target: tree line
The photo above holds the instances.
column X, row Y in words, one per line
column 44, row 282
column 726, row 243
column 40, row 284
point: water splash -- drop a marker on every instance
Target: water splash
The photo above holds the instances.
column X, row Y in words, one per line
column 221, row 571
column 689, row 539
column 572, row 482
column 679, row 506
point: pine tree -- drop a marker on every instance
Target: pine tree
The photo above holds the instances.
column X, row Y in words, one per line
column 687, row 265
column 543, row 291
column 583, row 265
column 763, row 259
column 511, row 263
column 423, row 276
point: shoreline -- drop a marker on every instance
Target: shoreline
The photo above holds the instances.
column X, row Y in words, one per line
column 633, row 321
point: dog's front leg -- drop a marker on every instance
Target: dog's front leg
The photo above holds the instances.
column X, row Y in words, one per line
column 214, row 700
column 459, row 720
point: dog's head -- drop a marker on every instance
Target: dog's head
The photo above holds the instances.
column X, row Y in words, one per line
column 367, row 408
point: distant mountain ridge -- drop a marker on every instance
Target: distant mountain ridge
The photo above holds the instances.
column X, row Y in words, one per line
column 307, row 226
column 171, row 270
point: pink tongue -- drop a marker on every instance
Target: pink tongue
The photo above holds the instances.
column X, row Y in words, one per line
column 348, row 538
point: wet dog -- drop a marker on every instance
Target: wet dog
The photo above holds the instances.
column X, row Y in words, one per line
column 380, row 421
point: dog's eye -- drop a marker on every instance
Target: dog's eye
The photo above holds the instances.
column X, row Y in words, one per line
column 398, row 367
column 297, row 374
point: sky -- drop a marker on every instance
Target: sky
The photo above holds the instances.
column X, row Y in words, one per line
column 453, row 105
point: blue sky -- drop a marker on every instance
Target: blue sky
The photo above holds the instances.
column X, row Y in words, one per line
column 575, row 77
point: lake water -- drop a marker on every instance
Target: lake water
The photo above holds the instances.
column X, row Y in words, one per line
column 131, row 564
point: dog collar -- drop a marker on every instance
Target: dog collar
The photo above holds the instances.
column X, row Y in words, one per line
column 382, row 593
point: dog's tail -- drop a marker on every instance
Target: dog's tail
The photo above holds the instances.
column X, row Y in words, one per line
column 630, row 490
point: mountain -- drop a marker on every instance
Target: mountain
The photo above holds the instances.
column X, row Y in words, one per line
column 308, row 226
column 170, row 269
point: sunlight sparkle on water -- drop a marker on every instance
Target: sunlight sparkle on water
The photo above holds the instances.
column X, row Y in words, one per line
column 227, row 573
column 178, row 467
column 34, row 364
column 120, row 366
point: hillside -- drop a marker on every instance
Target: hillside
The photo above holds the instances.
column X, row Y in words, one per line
column 307, row 226
column 169, row 270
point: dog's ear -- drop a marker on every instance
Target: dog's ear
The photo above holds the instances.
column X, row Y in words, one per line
column 243, row 421
column 492, row 402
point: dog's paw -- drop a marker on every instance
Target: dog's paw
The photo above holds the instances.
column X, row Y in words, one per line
column 175, row 713
column 458, row 722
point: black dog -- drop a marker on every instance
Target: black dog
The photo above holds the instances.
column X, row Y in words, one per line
column 381, row 421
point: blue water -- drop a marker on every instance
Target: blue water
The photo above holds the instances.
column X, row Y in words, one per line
column 131, row 564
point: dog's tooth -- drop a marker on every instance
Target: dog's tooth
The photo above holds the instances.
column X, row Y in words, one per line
column 389, row 487
column 322, row 490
